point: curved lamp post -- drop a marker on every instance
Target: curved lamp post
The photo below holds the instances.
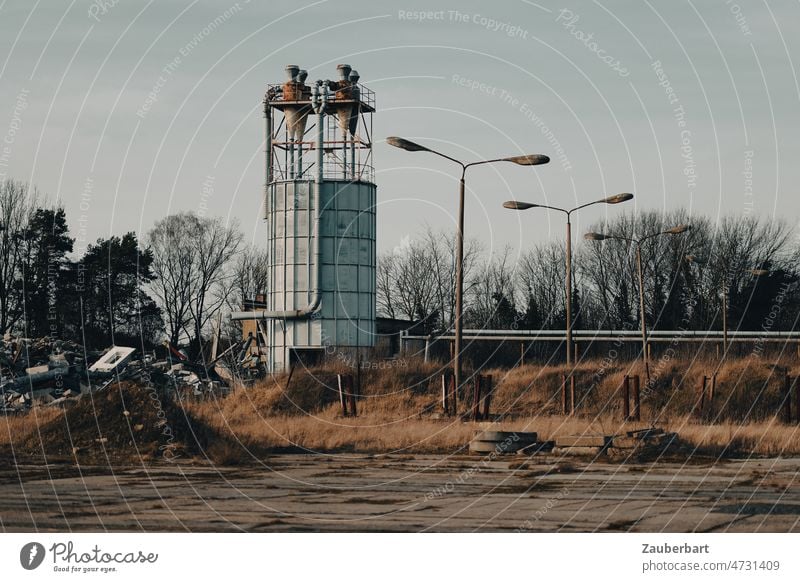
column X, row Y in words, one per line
column 526, row 160
column 597, row 236
column 516, row 205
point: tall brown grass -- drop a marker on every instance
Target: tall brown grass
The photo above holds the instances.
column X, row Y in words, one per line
column 399, row 409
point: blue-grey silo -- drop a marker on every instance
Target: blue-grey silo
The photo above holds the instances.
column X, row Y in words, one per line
column 320, row 201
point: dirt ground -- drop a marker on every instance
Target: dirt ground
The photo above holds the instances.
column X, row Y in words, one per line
column 406, row 494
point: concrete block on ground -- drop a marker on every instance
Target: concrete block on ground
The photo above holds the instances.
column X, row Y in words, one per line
column 503, row 435
column 645, row 432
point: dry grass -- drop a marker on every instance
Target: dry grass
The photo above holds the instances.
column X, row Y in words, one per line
column 399, row 410
column 22, row 427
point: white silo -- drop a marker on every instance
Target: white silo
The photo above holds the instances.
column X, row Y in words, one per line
column 320, row 212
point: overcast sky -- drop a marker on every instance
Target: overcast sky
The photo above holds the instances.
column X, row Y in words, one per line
column 675, row 101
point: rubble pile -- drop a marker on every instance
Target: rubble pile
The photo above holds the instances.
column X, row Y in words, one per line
column 125, row 420
column 52, row 372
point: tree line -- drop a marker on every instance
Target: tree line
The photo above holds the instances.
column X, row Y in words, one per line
column 685, row 277
column 190, row 270
column 120, row 290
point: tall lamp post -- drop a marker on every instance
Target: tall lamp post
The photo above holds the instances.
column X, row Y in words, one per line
column 681, row 228
column 525, row 160
column 724, row 296
column 516, row 205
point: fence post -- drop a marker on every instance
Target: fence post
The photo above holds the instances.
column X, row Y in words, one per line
column 626, row 398
column 572, row 394
column 353, row 389
column 637, row 410
column 342, row 400
column 797, row 399
column 713, row 388
column 477, row 381
column 563, row 394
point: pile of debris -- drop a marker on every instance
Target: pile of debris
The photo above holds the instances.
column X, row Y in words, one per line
column 51, row 372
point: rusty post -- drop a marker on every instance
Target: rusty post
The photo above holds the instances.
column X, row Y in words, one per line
column 637, row 403
column 563, row 394
column 572, row 395
column 487, row 397
column 353, row 390
column 358, row 371
column 787, row 399
column 477, row 381
column 626, row 398
column 342, row 400
column 797, row 399
column 444, row 394
column 453, row 394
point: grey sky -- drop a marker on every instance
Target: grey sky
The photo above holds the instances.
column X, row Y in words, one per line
column 76, row 120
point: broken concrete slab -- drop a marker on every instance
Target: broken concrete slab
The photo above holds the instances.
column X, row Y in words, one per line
column 113, row 360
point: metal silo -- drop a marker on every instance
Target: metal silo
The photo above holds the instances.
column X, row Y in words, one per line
column 320, row 212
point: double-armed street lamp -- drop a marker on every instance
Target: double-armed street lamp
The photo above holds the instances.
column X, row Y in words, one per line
column 517, row 205
column 597, row 236
column 525, row 160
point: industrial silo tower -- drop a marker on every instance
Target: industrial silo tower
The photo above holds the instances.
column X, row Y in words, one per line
column 320, row 212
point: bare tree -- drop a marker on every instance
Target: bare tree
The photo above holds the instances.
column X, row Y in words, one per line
column 17, row 204
column 192, row 255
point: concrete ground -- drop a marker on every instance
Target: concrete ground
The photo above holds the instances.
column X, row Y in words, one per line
column 406, row 493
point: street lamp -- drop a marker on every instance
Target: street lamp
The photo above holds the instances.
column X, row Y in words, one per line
column 525, row 160
column 724, row 295
column 679, row 229
column 516, row 205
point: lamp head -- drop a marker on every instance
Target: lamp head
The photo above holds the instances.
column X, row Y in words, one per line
column 517, row 205
column 529, row 160
column 595, row 236
column 617, row 198
column 405, row 144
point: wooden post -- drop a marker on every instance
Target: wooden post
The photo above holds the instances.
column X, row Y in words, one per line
column 626, row 398
column 521, row 353
column 713, row 388
column 787, row 399
column 563, row 394
column 444, row 394
column 476, row 396
column 637, row 404
column 355, row 392
column 487, row 397
column 453, row 395
column 571, row 395
column 358, row 371
column 797, row 399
